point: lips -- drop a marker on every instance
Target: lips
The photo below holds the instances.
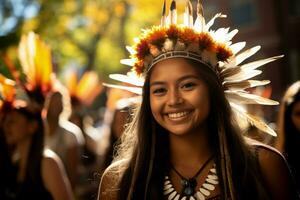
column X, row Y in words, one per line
column 177, row 116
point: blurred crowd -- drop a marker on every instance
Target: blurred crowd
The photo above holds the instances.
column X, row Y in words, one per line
column 54, row 146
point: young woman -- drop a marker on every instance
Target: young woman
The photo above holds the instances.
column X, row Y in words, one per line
column 39, row 173
column 289, row 129
column 183, row 142
column 30, row 171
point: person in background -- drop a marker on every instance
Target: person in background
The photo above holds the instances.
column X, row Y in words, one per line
column 288, row 141
column 119, row 106
column 6, row 167
column 34, row 171
column 121, row 117
column 39, row 172
column 83, row 90
column 63, row 137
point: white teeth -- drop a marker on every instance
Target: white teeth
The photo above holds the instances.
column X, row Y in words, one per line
column 177, row 115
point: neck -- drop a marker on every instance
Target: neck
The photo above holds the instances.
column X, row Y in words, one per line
column 52, row 124
column 191, row 150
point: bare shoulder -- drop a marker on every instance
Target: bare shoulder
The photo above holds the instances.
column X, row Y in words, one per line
column 50, row 161
column 54, row 176
column 109, row 184
column 268, row 155
column 275, row 172
column 271, row 161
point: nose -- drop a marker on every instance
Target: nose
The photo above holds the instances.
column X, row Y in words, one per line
column 174, row 97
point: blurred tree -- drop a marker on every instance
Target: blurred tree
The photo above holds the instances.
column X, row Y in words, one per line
column 12, row 15
column 90, row 34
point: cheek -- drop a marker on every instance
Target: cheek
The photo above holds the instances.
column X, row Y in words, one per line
column 201, row 101
column 156, row 108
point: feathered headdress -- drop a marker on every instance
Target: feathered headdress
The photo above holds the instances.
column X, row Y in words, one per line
column 132, row 84
column 36, row 62
column 7, row 93
column 84, row 90
column 36, row 66
column 213, row 48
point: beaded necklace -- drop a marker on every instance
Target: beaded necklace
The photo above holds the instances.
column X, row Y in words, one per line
column 188, row 191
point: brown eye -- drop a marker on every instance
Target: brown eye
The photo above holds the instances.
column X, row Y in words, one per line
column 188, row 86
column 159, row 91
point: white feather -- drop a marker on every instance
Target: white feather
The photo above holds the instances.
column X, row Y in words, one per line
column 258, row 63
column 241, row 85
column 200, row 21
column 229, row 71
column 237, row 47
column 127, row 79
column 242, row 75
column 163, row 22
column 220, row 34
column 212, row 21
column 188, row 14
column 135, row 90
column 241, row 113
column 241, row 97
column 130, row 50
column 173, row 13
column 129, row 62
column 231, row 34
column 246, row 54
column 164, row 18
column 126, row 102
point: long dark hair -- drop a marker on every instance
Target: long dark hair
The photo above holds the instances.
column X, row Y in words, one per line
column 144, row 149
column 34, row 159
column 286, row 129
column 289, row 136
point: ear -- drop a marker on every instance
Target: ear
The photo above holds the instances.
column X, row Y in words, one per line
column 32, row 127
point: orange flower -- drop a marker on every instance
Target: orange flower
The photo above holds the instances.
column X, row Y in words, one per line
column 142, row 49
column 172, row 32
column 138, row 68
column 188, row 36
column 205, row 41
column 223, row 53
column 157, row 37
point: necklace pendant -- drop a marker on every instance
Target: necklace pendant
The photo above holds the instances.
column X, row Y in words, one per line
column 188, row 186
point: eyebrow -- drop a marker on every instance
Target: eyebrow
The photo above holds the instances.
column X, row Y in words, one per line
column 179, row 80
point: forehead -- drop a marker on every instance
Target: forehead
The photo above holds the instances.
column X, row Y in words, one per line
column 173, row 69
column 15, row 114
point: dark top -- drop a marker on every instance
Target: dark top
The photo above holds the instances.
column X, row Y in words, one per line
column 292, row 155
column 14, row 190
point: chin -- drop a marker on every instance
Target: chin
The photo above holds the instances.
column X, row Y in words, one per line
column 179, row 131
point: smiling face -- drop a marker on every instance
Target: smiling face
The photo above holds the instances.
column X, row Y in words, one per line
column 179, row 98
